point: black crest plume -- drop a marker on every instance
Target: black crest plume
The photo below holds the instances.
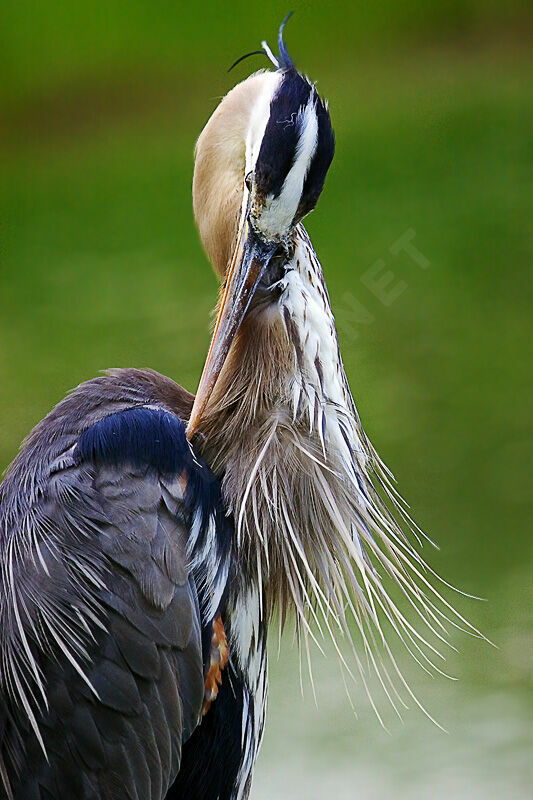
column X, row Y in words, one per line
column 282, row 60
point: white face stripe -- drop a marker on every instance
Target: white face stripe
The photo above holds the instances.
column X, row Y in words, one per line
column 278, row 212
column 259, row 118
column 305, row 151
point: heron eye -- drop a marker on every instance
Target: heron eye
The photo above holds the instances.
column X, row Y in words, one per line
column 248, row 181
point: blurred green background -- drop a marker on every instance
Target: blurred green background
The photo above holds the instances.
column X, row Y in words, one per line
column 100, row 266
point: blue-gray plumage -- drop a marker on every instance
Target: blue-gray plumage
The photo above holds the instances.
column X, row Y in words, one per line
column 100, row 611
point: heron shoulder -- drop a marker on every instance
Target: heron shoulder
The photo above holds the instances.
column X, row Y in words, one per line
column 114, row 550
column 130, row 422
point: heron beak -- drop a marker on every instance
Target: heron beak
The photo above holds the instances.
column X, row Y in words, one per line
column 248, row 263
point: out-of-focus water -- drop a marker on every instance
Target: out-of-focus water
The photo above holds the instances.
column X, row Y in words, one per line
column 325, row 752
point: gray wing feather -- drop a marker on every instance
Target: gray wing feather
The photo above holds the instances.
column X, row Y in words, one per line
column 101, row 677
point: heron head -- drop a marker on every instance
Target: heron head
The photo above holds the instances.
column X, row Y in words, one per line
column 289, row 148
column 260, row 166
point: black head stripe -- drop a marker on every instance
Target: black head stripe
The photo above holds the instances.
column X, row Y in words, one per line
column 282, row 133
column 325, row 150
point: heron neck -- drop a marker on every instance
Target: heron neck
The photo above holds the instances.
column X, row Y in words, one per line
column 281, row 403
column 284, row 366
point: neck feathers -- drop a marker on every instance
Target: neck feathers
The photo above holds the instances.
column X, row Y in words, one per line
column 319, row 526
column 281, row 434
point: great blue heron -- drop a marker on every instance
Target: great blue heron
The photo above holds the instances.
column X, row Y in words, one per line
column 146, row 536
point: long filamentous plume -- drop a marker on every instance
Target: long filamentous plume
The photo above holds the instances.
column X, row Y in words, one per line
column 321, row 527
